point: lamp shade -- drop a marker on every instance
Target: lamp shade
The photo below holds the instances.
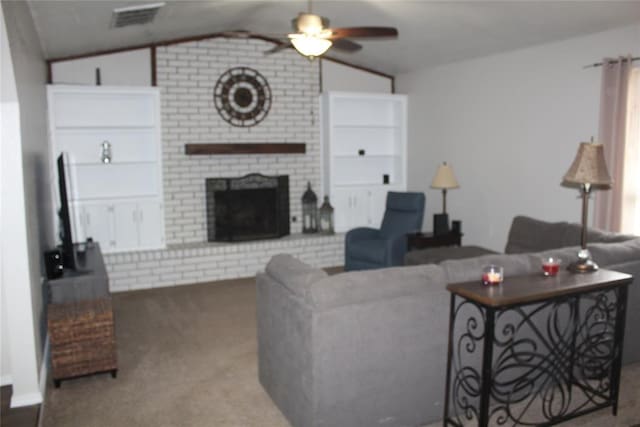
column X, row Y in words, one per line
column 444, row 178
column 589, row 166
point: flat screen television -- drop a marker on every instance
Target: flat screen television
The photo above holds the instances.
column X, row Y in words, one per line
column 68, row 254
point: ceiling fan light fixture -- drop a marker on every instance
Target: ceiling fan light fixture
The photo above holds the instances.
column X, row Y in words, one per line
column 308, row 23
column 309, row 45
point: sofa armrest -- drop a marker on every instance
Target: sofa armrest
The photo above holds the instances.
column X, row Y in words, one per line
column 293, row 274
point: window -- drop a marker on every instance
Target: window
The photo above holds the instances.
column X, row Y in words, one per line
column 631, row 181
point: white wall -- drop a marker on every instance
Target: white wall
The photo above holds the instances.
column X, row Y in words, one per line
column 26, row 202
column 18, row 330
column 5, row 351
column 510, row 125
column 131, row 68
column 340, row 77
column 9, row 98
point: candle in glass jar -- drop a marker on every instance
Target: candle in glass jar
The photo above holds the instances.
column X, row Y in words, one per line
column 492, row 275
column 551, row 266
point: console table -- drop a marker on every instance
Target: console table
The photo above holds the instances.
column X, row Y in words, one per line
column 535, row 350
column 80, row 319
column 431, row 240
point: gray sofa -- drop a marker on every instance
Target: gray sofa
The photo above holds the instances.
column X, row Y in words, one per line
column 368, row 348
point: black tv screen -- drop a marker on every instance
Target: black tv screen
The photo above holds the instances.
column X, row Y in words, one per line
column 68, row 256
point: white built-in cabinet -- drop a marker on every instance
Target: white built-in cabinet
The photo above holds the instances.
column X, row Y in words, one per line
column 364, row 154
column 116, row 202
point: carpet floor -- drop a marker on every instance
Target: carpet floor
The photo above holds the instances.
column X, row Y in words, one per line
column 187, row 357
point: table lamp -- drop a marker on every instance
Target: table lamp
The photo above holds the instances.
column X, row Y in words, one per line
column 443, row 180
column 587, row 170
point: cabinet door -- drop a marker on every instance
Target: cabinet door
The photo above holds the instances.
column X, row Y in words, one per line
column 341, row 201
column 360, row 212
column 97, row 222
column 126, row 225
column 150, row 217
column 351, row 208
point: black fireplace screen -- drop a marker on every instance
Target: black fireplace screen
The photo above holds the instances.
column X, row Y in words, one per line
column 252, row 207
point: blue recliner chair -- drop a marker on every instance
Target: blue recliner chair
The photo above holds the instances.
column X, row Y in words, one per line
column 368, row 248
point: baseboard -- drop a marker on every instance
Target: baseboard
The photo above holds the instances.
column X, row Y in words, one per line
column 38, row 397
column 6, row 380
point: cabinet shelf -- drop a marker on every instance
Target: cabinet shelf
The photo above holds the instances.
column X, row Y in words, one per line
column 119, row 204
column 365, row 126
column 366, row 184
column 358, row 183
column 134, row 197
column 101, row 127
column 113, row 163
column 364, row 156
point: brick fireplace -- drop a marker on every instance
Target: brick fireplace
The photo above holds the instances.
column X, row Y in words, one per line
column 186, row 75
column 252, row 207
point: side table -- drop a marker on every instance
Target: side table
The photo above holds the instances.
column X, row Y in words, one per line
column 535, row 350
column 431, row 240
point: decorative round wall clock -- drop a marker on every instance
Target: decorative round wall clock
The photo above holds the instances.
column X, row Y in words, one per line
column 242, row 96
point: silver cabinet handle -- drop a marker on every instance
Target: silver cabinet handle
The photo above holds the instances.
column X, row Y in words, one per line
column 106, row 152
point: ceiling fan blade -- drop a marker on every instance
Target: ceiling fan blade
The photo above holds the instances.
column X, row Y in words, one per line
column 346, row 45
column 337, row 33
column 278, row 48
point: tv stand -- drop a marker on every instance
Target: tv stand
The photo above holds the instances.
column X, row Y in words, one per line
column 88, row 280
column 80, row 319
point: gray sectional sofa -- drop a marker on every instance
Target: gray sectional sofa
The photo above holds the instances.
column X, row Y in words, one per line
column 368, row 348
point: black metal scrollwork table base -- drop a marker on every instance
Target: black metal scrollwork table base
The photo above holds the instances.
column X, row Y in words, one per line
column 535, row 350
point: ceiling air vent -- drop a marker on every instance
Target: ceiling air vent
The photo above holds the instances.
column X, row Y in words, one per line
column 134, row 15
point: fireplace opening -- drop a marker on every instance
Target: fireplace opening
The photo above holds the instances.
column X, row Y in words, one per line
column 252, row 207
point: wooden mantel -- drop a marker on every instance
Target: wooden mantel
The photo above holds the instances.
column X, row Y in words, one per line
column 245, row 148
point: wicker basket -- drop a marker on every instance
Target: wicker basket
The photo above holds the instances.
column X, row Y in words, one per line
column 82, row 338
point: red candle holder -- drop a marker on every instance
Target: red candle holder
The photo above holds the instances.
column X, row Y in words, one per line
column 550, row 266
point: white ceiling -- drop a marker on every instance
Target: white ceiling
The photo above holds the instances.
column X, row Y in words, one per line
column 431, row 33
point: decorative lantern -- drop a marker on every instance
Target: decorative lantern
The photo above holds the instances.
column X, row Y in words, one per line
column 326, row 217
column 309, row 211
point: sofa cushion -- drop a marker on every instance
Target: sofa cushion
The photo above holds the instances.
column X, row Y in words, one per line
column 573, row 234
column 370, row 285
column 294, row 274
column 437, row 255
column 464, row 270
column 532, row 235
column 605, row 254
column 599, row 236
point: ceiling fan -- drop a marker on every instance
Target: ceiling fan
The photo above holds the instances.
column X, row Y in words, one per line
column 313, row 37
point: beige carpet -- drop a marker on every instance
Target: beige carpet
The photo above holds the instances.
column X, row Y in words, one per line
column 187, row 357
